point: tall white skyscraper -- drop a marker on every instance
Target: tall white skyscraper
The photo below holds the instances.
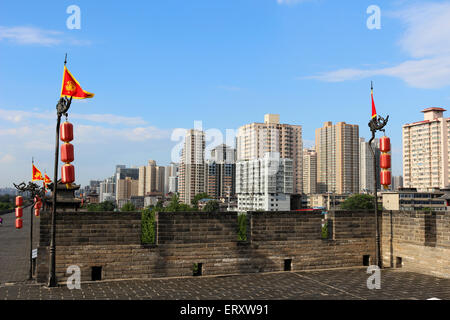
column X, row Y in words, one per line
column 425, row 151
column 191, row 180
column 264, row 184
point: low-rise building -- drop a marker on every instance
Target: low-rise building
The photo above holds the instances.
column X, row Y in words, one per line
column 412, row 200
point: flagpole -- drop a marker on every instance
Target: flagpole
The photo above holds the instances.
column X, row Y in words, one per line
column 30, row 274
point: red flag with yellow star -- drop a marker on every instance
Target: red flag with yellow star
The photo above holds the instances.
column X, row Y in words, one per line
column 37, row 175
column 71, row 87
column 47, row 180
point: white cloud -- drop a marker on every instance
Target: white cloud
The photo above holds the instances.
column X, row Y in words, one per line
column 425, row 40
column 26, row 35
column 30, row 35
column 6, row 159
column 290, row 2
column 17, row 116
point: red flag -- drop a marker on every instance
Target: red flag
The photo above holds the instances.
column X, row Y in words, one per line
column 37, row 175
column 71, row 87
column 374, row 110
column 47, row 180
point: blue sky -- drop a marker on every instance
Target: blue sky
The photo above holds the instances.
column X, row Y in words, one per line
column 159, row 65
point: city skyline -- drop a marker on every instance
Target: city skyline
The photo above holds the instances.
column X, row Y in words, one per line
column 249, row 60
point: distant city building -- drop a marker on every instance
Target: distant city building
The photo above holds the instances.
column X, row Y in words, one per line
column 107, row 190
column 264, row 184
column 397, row 183
column 126, row 188
column 173, row 184
column 171, row 172
column 366, row 170
column 328, row 201
column 221, row 172
column 254, row 140
column 191, row 180
column 426, row 151
column 412, row 200
column 309, row 171
column 337, row 148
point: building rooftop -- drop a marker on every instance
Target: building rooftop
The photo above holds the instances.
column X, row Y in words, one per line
column 433, row 109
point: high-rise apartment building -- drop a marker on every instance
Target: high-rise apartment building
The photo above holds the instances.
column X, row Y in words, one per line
column 425, row 151
column 254, row 141
column 309, row 171
column 191, row 179
column 337, row 148
column 108, row 190
column 126, row 188
column 221, row 172
column 123, row 173
column 397, row 183
column 151, row 179
column 366, row 170
column 264, row 184
column 170, row 172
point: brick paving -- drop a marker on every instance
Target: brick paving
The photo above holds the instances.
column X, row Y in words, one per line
column 15, row 247
column 338, row 284
column 348, row 284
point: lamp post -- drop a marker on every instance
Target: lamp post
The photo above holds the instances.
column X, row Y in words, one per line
column 61, row 109
column 377, row 123
column 34, row 191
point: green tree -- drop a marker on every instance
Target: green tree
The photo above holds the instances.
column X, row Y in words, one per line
column 242, row 227
column 128, row 207
column 104, row 206
column 211, row 206
column 198, row 197
column 358, row 202
column 148, row 226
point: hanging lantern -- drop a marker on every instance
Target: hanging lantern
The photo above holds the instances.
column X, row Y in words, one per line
column 36, row 212
column 385, row 144
column 67, row 174
column 385, row 178
column 66, row 132
column 385, row 161
column 38, row 205
column 19, row 201
column 19, row 212
column 67, row 154
column 19, row 223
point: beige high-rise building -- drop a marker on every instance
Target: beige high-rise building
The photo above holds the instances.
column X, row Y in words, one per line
column 337, row 148
column 191, row 179
column 425, row 151
column 309, row 171
column 127, row 188
column 151, row 178
column 254, row 141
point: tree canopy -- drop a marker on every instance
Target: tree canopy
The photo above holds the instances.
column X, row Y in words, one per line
column 358, row 202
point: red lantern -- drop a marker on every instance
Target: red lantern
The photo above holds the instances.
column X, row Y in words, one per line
column 385, row 161
column 19, row 201
column 36, row 212
column 38, row 204
column 19, row 223
column 67, row 173
column 67, row 154
column 19, row 212
column 385, row 144
column 66, row 131
column 385, row 177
